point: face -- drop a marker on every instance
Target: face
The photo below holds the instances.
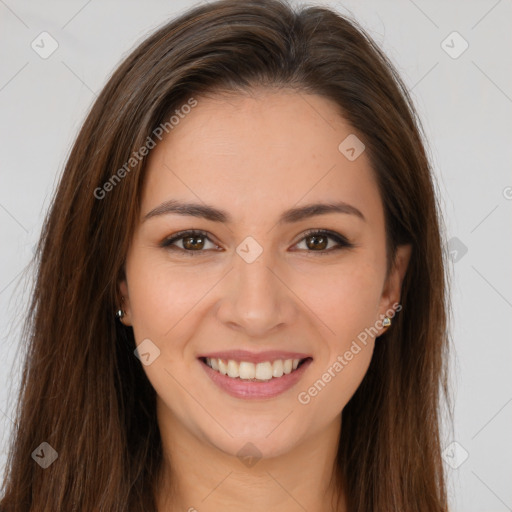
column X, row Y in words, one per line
column 253, row 286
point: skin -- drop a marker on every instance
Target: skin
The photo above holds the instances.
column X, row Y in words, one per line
column 254, row 156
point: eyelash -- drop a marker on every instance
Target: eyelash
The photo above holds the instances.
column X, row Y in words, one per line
column 341, row 240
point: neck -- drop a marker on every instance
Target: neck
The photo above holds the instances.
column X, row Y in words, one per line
column 197, row 476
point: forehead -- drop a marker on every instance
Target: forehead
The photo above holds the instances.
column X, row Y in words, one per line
column 259, row 149
column 262, row 122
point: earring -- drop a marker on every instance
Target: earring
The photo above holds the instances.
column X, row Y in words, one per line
column 386, row 322
column 119, row 314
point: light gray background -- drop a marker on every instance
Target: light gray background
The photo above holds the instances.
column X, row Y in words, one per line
column 466, row 108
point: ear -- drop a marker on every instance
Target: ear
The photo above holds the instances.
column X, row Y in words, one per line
column 392, row 287
column 124, row 302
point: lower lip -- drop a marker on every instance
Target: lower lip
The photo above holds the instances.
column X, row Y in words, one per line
column 240, row 388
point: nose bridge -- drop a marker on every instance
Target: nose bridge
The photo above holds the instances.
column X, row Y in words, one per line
column 257, row 300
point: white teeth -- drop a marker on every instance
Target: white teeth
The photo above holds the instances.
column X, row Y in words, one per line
column 277, row 368
column 264, row 371
column 233, row 369
column 247, row 371
column 223, row 367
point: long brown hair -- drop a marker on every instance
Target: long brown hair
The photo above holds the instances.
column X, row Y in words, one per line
column 85, row 393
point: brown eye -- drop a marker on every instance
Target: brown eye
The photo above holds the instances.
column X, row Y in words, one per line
column 188, row 242
column 318, row 241
column 193, row 242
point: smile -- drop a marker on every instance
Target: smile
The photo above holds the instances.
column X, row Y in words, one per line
column 261, row 379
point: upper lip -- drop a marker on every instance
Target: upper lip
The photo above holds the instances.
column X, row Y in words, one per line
column 254, row 357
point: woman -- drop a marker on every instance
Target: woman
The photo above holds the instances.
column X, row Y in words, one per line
column 240, row 298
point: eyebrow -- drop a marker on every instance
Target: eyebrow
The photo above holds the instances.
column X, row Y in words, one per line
column 292, row 215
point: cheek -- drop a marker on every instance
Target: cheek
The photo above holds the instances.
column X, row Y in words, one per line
column 344, row 297
column 161, row 296
column 342, row 365
column 348, row 308
column 334, row 387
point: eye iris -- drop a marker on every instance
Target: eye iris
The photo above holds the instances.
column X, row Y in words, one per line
column 193, row 245
column 315, row 245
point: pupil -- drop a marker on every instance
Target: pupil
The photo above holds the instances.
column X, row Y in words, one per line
column 316, row 243
column 192, row 245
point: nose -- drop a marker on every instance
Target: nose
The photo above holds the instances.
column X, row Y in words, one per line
column 256, row 299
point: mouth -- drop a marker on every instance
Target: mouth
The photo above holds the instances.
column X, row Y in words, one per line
column 255, row 379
